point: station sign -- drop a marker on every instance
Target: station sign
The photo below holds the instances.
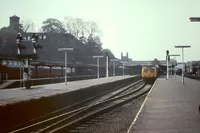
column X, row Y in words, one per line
column 113, row 59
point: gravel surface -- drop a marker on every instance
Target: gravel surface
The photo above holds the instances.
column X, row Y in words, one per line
column 116, row 121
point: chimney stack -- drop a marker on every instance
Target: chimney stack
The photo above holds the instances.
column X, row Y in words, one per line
column 127, row 54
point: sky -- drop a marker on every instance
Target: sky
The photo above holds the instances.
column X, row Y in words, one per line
column 144, row 28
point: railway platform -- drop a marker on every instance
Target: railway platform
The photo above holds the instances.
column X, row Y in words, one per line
column 170, row 107
column 15, row 95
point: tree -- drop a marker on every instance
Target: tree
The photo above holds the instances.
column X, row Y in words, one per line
column 97, row 40
column 80, row 28
column 52, row 25
column 110, row 54
column 7, row 30
column 92, row 29
column 24, row 26
column 69, row 25
column 75, row 26
column 90, row 39
column 28, row 26
column 83, row 40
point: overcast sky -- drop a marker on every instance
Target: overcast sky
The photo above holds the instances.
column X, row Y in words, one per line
column 144, row 28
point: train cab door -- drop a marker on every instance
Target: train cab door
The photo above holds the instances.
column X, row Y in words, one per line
column 145, row 72
column 152, row 72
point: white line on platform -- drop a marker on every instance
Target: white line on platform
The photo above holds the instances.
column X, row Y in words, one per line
column 141, row 107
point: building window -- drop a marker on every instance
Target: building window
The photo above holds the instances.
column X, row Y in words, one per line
column 15, row 63
column 10, row 63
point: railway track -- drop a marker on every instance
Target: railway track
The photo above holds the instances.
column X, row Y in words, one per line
column 72, row 108
column 69, row 117
column 192, row 76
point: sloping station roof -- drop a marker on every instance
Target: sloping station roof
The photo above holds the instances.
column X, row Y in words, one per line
column 142, row 63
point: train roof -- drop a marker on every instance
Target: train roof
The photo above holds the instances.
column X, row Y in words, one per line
column 150, row 66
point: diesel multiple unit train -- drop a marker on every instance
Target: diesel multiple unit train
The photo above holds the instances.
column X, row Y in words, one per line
column 149, row 73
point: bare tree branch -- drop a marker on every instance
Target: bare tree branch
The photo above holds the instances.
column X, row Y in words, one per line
column 69, row 24
column 85, row 31
column 97, row 40
column 28, row 26
column 92, row 28
column 77, row 27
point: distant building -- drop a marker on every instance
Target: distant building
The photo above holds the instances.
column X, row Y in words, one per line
column 125, row 58
column 14, row 22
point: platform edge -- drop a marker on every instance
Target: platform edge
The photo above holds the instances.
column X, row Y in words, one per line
column 141, row 107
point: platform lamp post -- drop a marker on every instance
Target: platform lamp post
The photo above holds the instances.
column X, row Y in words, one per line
column 194, row 19
column 182, row 47
column 65, row 49
column 107, row 64
column 174, row 55
column 114, row 60
column 123, row 62
column 123, row 69
column 167, row 58
column 98, row 64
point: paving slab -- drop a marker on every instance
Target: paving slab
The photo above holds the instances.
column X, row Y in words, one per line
column 170, row 108
column 20, row 94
